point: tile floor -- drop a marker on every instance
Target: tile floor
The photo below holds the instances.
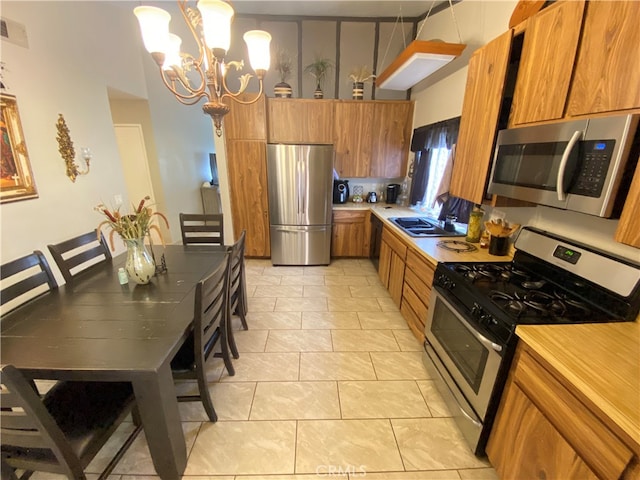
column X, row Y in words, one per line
column 329, row 384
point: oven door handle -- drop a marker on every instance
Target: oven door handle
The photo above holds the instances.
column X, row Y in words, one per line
column 438, row 366
column 485, row 341
column 562, row 195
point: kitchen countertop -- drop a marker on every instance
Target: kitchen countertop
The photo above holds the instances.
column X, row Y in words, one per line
column 428, row 246
column 602, row 362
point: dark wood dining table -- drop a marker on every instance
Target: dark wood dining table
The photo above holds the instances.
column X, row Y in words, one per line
column 98, row 330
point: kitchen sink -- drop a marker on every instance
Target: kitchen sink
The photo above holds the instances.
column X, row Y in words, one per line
column 422, row 227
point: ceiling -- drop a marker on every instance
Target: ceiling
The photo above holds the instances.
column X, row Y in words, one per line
column 332, row 8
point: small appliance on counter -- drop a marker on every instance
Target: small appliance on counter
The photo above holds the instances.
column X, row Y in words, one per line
column 372, row 197
column 340, row 191
column 393, row 189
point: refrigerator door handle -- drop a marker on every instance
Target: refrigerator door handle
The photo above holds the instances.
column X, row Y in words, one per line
column 303, row 188
column 299, row 188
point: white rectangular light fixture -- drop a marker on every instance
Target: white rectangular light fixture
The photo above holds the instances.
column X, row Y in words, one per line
column 419, row 60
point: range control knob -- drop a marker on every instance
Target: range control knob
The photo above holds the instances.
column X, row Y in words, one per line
column 477, row 311
column 445, row 282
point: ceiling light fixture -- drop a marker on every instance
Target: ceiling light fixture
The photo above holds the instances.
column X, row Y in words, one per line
column 419, row 59
column 192, row 78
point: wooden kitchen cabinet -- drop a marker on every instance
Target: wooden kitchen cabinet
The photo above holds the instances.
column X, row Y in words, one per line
column 245, row 131
column 548, row 54
column 543, row 430
column 353, row 130
column 479, row 121
column 393, row 252
column 607, row 68
column 392, row 128
column 300, row 120
column 246, row 122
column 372, row 138
column 350, row 234
column 628, row 230
column 418, row 279
column 247, row 167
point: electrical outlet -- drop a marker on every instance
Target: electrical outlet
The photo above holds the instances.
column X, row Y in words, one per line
column 117, row 200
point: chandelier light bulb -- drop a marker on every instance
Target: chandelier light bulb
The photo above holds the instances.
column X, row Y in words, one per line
column 173, row 57
column 216, row 23
column 154, row 25
column 258, row 45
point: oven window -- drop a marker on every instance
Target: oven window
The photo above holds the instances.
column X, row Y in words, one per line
column 468, row 354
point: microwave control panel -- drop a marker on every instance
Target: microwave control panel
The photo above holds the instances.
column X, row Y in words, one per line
column 595, row 157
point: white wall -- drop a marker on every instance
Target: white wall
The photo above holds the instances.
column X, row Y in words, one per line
column 440, row 96
column 73, row 55
column 77, row 51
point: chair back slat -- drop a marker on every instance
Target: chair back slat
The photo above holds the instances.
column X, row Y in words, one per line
column 30, row 274
column 202, row 228
column 94, row 250
column 211, row 304
column 16, row 437
column 236, row 271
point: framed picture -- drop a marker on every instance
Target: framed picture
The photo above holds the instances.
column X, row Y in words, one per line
column 16, row 179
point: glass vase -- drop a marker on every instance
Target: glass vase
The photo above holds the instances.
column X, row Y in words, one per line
column 140, row 266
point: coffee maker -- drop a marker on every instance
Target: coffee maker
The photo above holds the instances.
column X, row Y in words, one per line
column 340, row 191
column 393, row 189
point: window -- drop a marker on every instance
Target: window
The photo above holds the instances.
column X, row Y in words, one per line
column 434, row 147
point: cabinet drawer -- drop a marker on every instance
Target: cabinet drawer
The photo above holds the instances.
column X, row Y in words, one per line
column 395, row 243
column 413, row 320
column 410, row 297
column 421, row 289
column 600, row 449
column 421, row 268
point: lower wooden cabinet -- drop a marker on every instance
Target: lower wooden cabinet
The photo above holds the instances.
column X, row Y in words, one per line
column 408, row 276
column 350, row 234
column 393, row 252
column 416, row 291
column 542, row 430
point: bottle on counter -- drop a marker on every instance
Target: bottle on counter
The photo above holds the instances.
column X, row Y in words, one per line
column 474, row 227
column 123, row 278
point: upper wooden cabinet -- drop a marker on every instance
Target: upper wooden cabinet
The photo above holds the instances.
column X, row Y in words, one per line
column 371, row 138
column 548, row 53
column 353, row 130
column 607, row 70
column 479, row 122
column 628, row 231
column 300, row 120
column 246, row 122
column 392, row 128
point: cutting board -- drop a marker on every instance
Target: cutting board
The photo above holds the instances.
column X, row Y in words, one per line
column 525, row 9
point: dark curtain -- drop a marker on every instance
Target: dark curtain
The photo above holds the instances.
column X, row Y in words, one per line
column 424, row 139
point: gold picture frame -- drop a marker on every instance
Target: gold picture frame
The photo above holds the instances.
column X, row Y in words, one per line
column 16, row 178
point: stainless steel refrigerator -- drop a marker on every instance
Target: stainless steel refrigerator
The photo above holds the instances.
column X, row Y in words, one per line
column 300, row 181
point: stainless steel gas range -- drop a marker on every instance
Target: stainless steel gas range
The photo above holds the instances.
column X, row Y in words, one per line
column 475, row 308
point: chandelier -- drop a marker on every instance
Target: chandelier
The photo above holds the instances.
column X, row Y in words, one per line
column 192, row 78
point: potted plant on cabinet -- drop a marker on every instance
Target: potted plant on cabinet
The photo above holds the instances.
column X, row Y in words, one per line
column 359, row 75
column 283, row 65
column 319, row 69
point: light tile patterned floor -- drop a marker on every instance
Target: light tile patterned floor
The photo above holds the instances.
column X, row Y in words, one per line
column 329, row 384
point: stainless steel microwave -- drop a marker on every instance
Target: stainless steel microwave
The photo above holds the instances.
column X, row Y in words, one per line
column 577, row 165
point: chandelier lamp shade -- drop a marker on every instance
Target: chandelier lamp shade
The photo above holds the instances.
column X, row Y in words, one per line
column 416, row 62
column 191, row 78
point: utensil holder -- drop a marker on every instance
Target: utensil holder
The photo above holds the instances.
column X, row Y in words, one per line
column 499, row 246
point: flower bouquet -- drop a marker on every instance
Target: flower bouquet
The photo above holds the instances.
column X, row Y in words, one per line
column 133, row 228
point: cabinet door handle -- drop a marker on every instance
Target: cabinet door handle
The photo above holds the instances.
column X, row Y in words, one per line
column 562, row 195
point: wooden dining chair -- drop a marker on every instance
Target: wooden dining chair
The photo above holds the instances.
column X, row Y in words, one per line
column 64, row 430
column 79, row 253
column 237, row 290
column 24, row 279
column 202, row 228
column 209, row 328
